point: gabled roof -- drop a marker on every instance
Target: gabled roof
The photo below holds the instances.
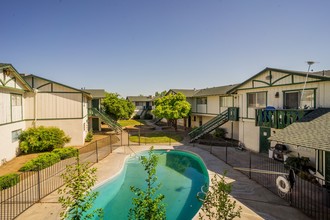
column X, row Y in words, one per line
column 220, row 90
column 51, row 81
column 313, row 131
column 186, row 92
column 17, row 75
column 317, row 75
column 96, row 93
column 140, row 98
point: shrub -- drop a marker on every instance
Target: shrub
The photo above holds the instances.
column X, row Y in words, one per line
column 8, row 180
column 136, row 117
column 220, row 133
column 42, row 161
column 297, row 163
column 42, row 139
column 66, row 152
column 89, row 136
column 148, row 116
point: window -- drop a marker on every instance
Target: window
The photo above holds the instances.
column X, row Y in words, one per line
column 16, row 100
column 15, row 134
column 257, row 100
column 226, row 101
column 299, row 99
column 201, row 101
column 320, row 161
column 16, row 107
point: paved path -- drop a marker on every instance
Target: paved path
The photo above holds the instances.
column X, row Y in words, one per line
column 256, row 201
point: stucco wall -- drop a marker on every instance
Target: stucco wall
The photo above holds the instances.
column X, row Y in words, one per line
column 75, row 128
column 9, row 149
column 249, row 134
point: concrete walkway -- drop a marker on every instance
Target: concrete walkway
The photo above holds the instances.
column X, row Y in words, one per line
column 256, row 201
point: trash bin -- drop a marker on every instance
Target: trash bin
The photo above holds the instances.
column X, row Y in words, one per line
column 271, row 153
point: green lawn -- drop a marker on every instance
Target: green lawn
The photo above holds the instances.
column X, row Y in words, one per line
column 130, row 122
column 156, row 137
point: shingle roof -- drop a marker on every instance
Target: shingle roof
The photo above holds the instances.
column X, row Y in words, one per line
column 96, row 93
column 187, row 92
column 140, row 98
column 220, row 90
column 313, row 131
column 322, row 75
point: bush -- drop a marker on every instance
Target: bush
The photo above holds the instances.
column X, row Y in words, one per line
column 66, row 152
column 297, row 163
column 42, row 161
column 136, row 117
column 148, row 116
column 8, row 180
column 89, row 136
column 220, row 133
column 42, row 139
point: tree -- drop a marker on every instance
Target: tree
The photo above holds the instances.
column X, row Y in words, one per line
column 216, row 201
column 117, row 107
column 172, row 107
column 147, row 205
column 77, row 196
column 160, row 94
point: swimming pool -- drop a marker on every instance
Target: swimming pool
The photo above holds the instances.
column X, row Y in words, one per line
column 182, row 174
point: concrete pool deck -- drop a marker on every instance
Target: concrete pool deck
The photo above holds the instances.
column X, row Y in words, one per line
column 256, row 201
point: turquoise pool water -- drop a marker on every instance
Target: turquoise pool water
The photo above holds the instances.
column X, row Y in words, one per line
column 182, row 174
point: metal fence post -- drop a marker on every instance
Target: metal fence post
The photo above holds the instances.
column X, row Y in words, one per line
column 96, row 152
column 110, row 143
column 121, row 138
column 39, row 184
column 250, row 164
column 139, row 135
column 226, row 153
column 127, row 138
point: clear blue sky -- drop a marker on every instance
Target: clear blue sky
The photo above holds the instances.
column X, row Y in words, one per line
column 137, row 47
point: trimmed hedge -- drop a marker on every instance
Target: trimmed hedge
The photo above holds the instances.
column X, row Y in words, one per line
column 66, row 152
column 41, row 162
column 42, row 139
column 8, row 180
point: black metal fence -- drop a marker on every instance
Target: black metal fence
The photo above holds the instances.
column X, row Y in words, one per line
column 35, row 185
column 145, row 137
column 309, row 193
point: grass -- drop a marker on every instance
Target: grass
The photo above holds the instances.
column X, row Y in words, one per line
column 156, row 137
column 130, row 122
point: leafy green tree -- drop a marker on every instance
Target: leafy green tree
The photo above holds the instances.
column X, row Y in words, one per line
column 77, row 196
column 148, row 205
column 172, row 107
column 117, row 107
column 216, row 201
column 41, row 139
column 160, row 94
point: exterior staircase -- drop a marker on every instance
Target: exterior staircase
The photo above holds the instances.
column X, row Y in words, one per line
column 209, row 126
column 106, row 119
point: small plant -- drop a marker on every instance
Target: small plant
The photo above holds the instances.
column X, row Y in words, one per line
column 42, row 139
column 66, row 152
column 297, row 163
column 220, row 133
column 89, row 136
column 41, row 162
column 148, row 116
column 77, row 197
column 136, row 117
column 8, row 180
column 216, row 202
column 148, row 205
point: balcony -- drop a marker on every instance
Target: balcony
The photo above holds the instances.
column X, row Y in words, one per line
column 279, row 118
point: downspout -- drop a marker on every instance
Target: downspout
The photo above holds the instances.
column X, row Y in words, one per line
column 35, row 91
